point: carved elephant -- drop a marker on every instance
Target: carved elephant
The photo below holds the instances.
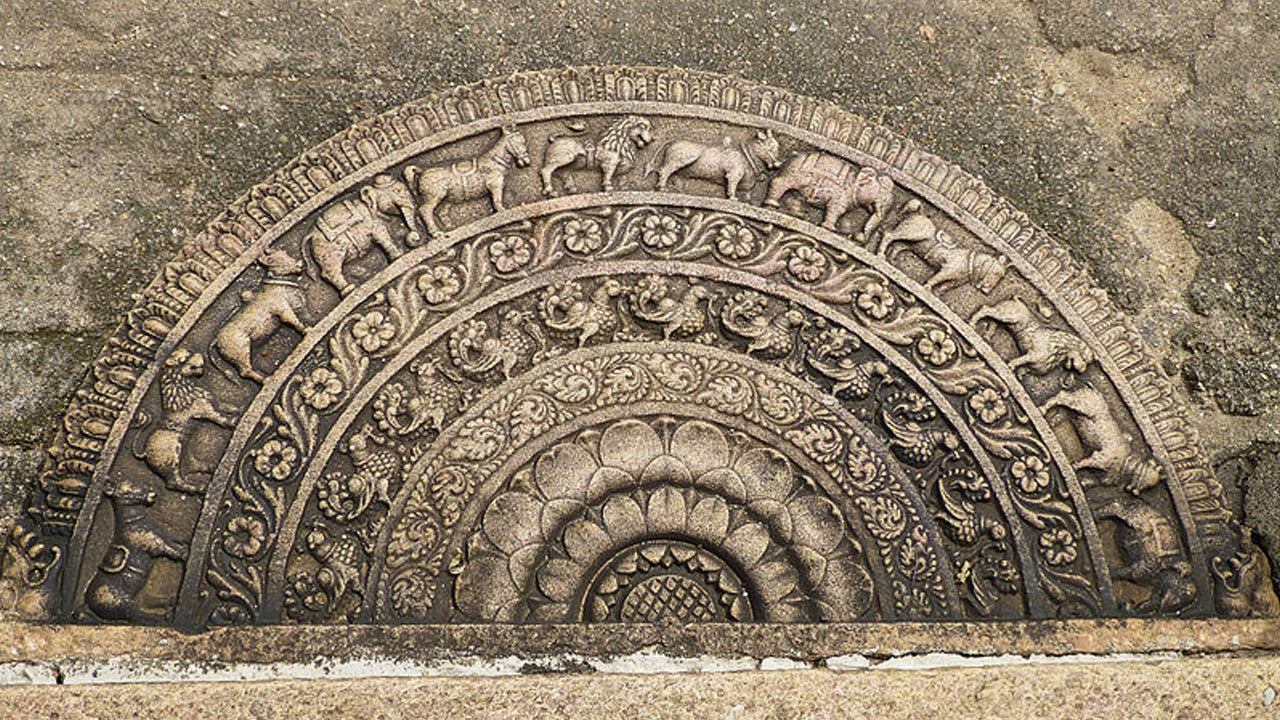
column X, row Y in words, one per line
column 836, row 186
column 344, row 231
column 391, row 198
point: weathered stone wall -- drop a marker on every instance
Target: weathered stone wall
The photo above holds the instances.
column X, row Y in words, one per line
column 1142, row 134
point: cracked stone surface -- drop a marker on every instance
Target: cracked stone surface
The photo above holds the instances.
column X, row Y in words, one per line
column 1141, row 134
column 1122, row 690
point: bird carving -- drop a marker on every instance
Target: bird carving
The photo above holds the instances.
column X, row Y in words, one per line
column 564, row 309
column 913, row 442
column 852, row 378
column 437, row 396
column 483, row 356
column 341, row 561
column 344, row 497
column 746, row 314
column 681, row 316
column 958, row 490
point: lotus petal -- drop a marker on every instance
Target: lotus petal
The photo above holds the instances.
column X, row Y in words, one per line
column 559, row 578
column 710, row 518
column 630, row 445
column 623, row 519
column 521, row 564
column 564, row 471
column 811, row 563
column 584, row 541
column 775, row 580
column 787, row 612
column 511, row 521
column 480, row 591
column 724, row 481
column 701, row 446
column 609, row 480
column 747, row 544
column 551, row 613
column 775, row 515
column 666, row 470
column 849, row 589
column 654, row 553
column 818, row 523
column 608, row 584
column 556, row 513
column 599, row 609
column 666, row 511
column 766, row 473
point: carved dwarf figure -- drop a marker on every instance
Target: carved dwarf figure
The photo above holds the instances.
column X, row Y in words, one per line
column 276, row 302
column 113, row 592
column 613, row 153
column 951, row 261
column 836, row 186
column 468, row 179
column 183, row 402
column 1110, row 447
column 733, row 162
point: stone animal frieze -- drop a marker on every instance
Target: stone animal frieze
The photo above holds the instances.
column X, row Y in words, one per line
column 836, row 186
column 468, row 179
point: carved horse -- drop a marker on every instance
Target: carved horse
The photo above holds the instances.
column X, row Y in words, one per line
column 468, row 179
column 1043, row 347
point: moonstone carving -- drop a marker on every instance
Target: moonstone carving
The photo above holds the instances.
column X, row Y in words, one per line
column 625, row 345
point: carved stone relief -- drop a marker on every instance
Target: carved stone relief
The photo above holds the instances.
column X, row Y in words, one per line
column 623, row 345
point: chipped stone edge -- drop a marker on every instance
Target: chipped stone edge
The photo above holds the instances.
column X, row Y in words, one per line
column 75, row 655
column 128, row 669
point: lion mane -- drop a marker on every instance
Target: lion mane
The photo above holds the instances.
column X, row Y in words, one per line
column 178, row 389
column 617, row 140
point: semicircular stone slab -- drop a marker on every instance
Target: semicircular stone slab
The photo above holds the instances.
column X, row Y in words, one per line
column 625, row 345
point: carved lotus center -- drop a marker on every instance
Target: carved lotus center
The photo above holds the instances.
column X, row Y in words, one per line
column 698, row 517
column 666, row 581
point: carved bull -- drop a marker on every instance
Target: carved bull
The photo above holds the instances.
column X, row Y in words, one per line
column 113, row 592
column 276, row 302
